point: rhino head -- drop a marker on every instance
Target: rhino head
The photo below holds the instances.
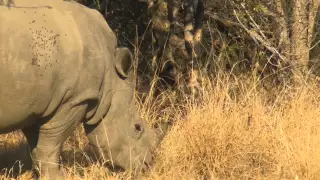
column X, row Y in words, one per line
column 122, row 137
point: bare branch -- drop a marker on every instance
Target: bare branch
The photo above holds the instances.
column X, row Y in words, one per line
column 226, row 22
column 260, row 39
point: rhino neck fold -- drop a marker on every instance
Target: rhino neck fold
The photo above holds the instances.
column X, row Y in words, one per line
column 106, row 98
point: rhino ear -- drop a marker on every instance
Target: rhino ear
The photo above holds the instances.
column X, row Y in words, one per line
column 123, row 61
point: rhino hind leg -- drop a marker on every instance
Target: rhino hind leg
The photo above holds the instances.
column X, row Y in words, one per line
column 46, row 141
column 32, row 134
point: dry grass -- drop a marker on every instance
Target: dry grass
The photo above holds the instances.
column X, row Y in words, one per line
column 236, row 132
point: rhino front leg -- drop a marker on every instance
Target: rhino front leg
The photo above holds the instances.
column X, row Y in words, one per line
column 46, row 140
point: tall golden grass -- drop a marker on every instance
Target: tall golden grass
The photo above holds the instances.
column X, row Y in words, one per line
column 237, row 131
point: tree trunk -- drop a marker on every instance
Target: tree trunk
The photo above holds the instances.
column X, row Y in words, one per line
column 281, row 29
column 314, row 7
column 299, row 39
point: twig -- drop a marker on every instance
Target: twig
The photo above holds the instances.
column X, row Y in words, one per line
column 257, row 37
column 253, row 22
column 226, row 22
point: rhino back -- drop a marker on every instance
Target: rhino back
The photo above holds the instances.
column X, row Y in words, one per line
column 49, row 57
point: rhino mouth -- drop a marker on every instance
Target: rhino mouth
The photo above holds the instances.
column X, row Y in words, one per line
column 143, row 167
column 148, row 162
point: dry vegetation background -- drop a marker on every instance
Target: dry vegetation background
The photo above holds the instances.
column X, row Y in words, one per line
column 251, row 121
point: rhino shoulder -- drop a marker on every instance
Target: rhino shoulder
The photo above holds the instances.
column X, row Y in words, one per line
column 106, row 32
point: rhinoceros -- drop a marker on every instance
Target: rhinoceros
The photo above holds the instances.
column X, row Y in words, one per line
column 60, row 66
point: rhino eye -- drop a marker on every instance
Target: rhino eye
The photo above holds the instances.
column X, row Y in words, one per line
column 138, row 127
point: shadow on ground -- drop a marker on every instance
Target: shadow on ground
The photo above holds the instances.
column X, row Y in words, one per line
column 14, row 160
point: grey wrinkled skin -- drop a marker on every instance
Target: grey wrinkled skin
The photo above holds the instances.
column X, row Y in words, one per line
column 60, row 66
